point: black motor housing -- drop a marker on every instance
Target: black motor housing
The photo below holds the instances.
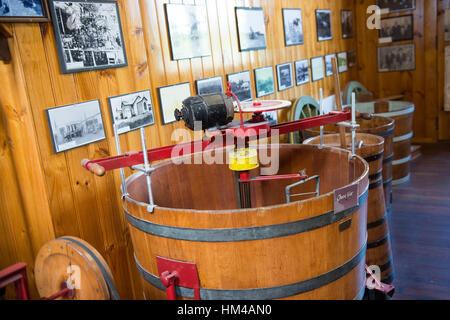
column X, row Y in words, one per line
column 214, row 110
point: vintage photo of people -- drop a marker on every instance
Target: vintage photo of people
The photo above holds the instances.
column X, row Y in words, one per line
column 188, row 31
column 88, row 35
column 75, row 125
column 210, row 86
column 347, row 24
column 132, row 111
column 351, row 58
column 323, row 22
column 171, row 98
column 10, row 9
column 251, row 28
column 301, row 71
column 396, row 58
column 387, row 6
column 265, row 83
column 241, row 85
column 285, row 78
column 447, row 24
column 293, row 27
column 397, row 29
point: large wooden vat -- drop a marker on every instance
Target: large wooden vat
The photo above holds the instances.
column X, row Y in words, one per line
column 403, row 114
column 379, row 126
column 278, row 250
column 379, row 251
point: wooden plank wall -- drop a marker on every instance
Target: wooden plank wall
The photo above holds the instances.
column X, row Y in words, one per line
column 64, row 199
column 444, row 116
column 419, row 85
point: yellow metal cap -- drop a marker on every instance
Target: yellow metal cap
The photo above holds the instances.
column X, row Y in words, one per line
column 243, row 160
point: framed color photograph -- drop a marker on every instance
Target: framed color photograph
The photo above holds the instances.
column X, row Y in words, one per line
column 388, row 6
column 251, row 28
column 342, row 61
column 171, row 98
column 285, row 77
column 323, row 22
column 75, row 125
column 347, row 24
column 88, row 35
column 301, row 72
column 396, row 58
column 265, row 83
column 24, row 11
column 210, row 86
column 241, row 85
column 293, row 27
column 188, row 31
column 395, row 29
column 329, row 64
column 317, row 69
column 132, row 111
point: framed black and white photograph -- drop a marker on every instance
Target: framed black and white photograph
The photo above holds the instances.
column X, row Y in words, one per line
column 396, row 58
column 285, row 76
column 342, row 61
column 75, row 125
column 395, row 29
column 317, row 69
column 447, row 24
column 241, row 85
column 388, row 6
column 271, row 116
column 323, row 22
column 293, row 27
column 265, row 83
column 329, row 64
column 23, row 11
column 351, row 58
column 251, row 28
column 301, row 72
column 88, row 35
column 132, row 111
column 188, row 31
column 347, row 24
column 210, row 86
column 171, row 98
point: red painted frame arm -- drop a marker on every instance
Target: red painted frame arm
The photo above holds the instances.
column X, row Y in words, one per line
column 99, row 167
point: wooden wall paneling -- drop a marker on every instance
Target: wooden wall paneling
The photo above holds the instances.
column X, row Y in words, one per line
column 444, row 116
column 15, row 243
column 419, row 85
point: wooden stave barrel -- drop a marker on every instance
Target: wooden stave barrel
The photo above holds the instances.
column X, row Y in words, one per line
column 146, row 245
column 379, row 252
column 379, row 126
column 403, row 114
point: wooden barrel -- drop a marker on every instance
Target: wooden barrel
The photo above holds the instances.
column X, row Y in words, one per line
column 276, row 250
column 379, row 251
column 379, row 126
column 403, row 114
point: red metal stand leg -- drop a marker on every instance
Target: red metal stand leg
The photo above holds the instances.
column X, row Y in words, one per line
column 16, row 274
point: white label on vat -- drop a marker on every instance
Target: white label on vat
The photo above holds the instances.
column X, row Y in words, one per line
column 345, row 198
column 385, row 40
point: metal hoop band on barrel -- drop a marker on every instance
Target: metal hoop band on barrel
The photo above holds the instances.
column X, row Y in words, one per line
column 388, row 159
column 385, row 134
column 264, row 293
column 374, row 157
column 244, row 234
column 108, row 280
column 377, row 223
column 379, row 243
column 376, row 184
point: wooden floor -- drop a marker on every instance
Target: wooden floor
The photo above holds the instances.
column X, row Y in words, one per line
column 420, row 228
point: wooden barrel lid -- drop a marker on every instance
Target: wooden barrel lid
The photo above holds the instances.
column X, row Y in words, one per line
column 79, row 265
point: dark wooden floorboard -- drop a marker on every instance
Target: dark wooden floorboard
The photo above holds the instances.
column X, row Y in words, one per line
column 420, row 228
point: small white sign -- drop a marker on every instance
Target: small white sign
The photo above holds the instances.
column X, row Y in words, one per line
column 385, row 40
column 384, row 11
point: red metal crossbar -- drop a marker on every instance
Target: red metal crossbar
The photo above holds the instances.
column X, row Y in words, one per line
column 16, row 274
column 218, row 140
